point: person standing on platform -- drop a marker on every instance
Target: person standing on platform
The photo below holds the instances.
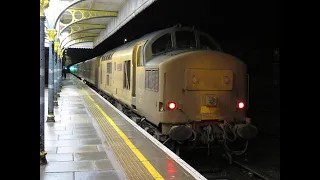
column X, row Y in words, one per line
column 64, row 72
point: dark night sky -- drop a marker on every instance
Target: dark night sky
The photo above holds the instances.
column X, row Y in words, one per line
column 248, row 30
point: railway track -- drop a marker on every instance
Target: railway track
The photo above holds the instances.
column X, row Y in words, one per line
column 222, row 170
column 261, row 162
column 250, row 173
column 271, row 134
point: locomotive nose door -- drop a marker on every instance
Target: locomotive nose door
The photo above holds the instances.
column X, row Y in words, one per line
column 214, row 86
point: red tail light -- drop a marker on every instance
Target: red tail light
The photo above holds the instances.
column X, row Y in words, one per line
column 240, row 105
column 172, row 105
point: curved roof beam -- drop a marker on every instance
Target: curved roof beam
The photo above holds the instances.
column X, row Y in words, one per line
column 79, row 15
column 81, row 27
column 128, row 11
column 86, row 39
column 67, row 7
column 77, row 28
column 78, row 36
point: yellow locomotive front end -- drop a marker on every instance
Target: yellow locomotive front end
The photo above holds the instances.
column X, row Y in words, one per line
column 204, row 86
column 205, row 92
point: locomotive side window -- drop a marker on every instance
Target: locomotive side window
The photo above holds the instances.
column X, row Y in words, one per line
column 126, row 74
column 185, row 39
column 205, row 42
column 162, row 44
column 109, row 68
column 152, row 80
column 150, row 83
column 147, row 79
column 156, row 80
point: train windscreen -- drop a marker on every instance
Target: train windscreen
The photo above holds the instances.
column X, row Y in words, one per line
column 185, row 39
column 206, row 43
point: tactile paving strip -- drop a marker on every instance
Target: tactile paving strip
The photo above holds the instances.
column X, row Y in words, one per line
column 132, row 165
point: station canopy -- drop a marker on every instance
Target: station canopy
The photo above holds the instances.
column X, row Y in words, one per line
column 84, row 24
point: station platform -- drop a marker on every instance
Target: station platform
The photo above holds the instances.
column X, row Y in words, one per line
column 92, row 140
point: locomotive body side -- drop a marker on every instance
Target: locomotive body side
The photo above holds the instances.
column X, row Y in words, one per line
column 116, row 77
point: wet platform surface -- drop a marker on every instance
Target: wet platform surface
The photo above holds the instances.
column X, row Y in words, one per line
column 75, row 150
column 90, row 140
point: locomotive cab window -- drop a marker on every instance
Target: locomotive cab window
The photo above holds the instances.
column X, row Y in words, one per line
column 139, row 57
column 162, row 44
column 185, row 39
column 206, row 43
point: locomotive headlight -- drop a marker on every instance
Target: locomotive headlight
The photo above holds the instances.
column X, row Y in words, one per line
column 194, row 79
column 172, row 105
column 226, row 80
column 240, row 105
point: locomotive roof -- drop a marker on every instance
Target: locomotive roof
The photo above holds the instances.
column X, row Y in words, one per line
column 146, row 37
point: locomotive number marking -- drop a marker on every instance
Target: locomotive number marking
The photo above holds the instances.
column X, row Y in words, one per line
column 209, row 112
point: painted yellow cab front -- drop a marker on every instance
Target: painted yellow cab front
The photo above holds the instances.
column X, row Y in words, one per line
column 205, row 85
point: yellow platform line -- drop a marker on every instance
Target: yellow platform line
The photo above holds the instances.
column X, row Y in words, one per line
column 139, row 155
